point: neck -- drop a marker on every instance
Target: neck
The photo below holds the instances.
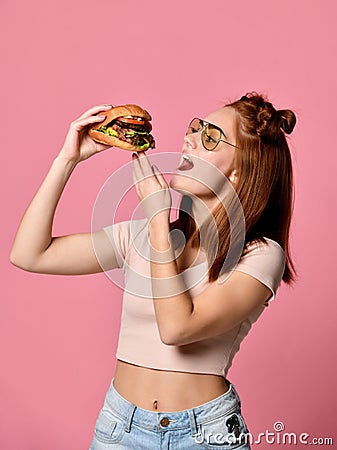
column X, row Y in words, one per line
column 202, row 209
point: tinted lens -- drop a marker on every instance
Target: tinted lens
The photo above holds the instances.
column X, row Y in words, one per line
column 194, row 126
column 210, row 137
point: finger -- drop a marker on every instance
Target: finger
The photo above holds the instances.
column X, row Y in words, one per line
column 100, row 147
column 137, row 173
column 82, row 123
column 159, row 176
column 135, row 181
column 95, row 110
column 145, row 164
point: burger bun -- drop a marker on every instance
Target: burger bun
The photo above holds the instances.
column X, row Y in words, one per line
column 112, row 114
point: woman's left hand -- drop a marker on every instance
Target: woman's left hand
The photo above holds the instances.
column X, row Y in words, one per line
column 151, row 187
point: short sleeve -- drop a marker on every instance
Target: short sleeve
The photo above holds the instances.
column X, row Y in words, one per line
column 266, row 263
column 122, row 236
column 119, row 236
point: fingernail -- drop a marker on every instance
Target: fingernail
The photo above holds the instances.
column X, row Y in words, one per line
column 101, row 117
column 108, row 106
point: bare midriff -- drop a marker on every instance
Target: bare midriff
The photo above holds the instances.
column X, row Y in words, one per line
column 162, row 390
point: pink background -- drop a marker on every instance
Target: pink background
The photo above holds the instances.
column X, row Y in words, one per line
column 179, row 59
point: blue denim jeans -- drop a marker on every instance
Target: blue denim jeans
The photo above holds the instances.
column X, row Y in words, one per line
column 217, row 424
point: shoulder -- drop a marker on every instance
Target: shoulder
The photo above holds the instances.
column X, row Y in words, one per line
column 265, row 261
column 127, row 228
column 262, row 251
column 124, row 234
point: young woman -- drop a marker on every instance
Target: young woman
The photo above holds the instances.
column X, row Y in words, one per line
column 193, row 287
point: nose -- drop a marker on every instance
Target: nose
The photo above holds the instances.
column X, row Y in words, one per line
column 191, row 140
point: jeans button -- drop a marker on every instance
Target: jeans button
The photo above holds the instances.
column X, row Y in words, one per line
column 164, row 422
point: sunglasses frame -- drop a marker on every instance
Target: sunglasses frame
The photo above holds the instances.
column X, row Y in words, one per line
column 204, row 124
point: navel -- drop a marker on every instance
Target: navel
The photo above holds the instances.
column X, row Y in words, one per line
column 155, row 404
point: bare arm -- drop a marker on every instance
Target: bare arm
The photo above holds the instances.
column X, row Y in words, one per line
column 34, row 248
column 182, row 319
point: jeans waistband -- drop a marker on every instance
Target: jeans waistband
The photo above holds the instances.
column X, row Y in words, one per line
column 164, row 420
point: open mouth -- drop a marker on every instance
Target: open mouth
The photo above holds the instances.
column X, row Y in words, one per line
column 186, row 163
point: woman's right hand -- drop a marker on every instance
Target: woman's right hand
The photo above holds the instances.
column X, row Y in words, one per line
column 78, row 145
column 34, row 248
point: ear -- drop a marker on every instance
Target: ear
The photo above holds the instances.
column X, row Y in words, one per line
column 232, row 177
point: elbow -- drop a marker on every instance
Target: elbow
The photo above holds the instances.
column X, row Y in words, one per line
column 168, row 337
column 13, row 259
column 177, row 333
column 17, row 263
column 173, row 338
column 168, row 340
column 20, row 262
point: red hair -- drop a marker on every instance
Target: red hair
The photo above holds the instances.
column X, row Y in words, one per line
column 264, row 185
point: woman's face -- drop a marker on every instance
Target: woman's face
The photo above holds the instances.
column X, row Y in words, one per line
column 205, row 177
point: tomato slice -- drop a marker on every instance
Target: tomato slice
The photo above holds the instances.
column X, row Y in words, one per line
column 133, row 120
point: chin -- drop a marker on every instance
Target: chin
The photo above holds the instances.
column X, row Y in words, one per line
column 187, row 185
column 179, row 182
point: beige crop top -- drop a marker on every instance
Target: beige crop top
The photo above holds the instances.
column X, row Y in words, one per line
column 139, row 341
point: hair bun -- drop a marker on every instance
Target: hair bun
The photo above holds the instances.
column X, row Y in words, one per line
column 286, row 119
column 264, row 119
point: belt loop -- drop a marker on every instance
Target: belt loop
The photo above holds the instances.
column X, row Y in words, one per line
column 193, row 422
column 235, row 393
column 129, row 418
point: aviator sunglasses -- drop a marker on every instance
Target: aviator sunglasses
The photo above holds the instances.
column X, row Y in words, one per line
column 210, row 134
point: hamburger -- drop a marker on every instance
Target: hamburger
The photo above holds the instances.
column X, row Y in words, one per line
column 127, row 127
